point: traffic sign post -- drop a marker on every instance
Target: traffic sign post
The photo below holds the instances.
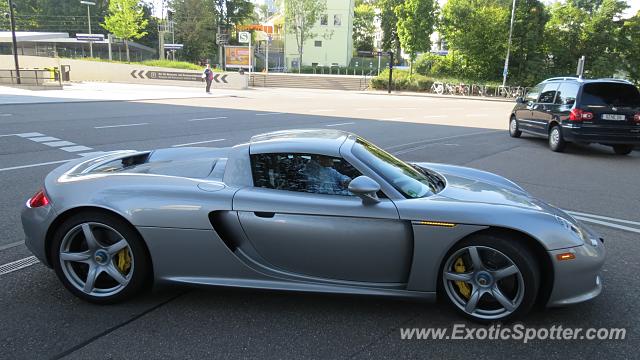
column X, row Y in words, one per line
column 244, row 37
column 90, row 37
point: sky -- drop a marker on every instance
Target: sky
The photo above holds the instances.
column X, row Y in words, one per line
column 633, row 9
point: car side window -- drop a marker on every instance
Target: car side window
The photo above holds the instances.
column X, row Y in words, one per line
column 311, row 173
column 532, row 95
column 548, row 94
column 567, row 93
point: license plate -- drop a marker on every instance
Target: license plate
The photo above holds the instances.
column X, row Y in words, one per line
column 616, row 117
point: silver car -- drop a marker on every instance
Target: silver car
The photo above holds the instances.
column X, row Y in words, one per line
column 309, row 210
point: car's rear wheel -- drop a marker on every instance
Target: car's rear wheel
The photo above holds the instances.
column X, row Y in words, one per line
column 513, row 128
column 100, row 257
column 623, row 149
column 489, row 278
column 556, row 140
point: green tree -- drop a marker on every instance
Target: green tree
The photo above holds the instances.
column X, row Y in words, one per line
column 527, row 59
column 389, row 26
column 363, row 26
column 195, row 27
column 478, row 31
column 630, row 47
column 416, row 19
column 300, row 18
column 126, row 21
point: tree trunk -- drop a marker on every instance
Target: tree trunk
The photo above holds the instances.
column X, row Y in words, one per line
column 126, row 45
column 300, row 61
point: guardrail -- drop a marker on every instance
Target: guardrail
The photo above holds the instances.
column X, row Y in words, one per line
column 31, row 77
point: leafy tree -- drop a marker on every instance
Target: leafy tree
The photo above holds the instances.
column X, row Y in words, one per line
column 527, row 58
column 478, row 31
column 195, row 27
column 363, row 26
column 300, row 18
column 630, row 47
column 389, row 26
column 416, row 19
column 126, row 21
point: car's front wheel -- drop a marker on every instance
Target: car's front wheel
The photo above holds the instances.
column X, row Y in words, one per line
column 513, row 128
column 99, row 257
column 622, row 149
column 489, row 278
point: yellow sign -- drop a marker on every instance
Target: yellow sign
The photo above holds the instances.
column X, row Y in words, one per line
column 236, row 56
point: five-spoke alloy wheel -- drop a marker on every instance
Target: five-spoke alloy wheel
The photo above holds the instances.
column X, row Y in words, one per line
column 99, row 257
column 489, row 278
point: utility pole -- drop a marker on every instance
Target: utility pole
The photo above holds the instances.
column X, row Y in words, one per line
column 89, row 3
column 14, row 41
column 506, row 60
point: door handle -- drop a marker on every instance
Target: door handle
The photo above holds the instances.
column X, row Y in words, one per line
column 264, row 214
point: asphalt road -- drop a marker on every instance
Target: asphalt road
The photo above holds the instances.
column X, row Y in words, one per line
column 42, row 320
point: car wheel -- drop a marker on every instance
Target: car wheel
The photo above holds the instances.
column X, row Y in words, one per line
column 489, row 278
column 513, row 128
column 623, row 149
column 100, row 258
column 556, row 140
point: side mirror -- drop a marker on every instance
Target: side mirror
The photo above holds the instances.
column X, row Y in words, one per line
column 365, row 188
column 520, row 100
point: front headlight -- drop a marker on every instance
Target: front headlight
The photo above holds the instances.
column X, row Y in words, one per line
column 577, row 231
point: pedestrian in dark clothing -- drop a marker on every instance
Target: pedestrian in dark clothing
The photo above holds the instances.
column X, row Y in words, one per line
column 207, row 75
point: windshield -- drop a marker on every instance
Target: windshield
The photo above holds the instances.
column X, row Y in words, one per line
column 412, row 181
column 610, row 94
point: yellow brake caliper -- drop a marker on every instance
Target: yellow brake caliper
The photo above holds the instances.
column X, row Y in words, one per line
column 124, row 260
column 464, row 288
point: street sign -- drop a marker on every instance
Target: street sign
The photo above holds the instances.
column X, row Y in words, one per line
column 173, row 46
column 175, row 76
column 244, row 37
column 90, row 37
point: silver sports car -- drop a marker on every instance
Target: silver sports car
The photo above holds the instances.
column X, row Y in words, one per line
column 309, row 210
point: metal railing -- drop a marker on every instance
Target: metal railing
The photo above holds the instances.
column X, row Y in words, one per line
column 31, row 77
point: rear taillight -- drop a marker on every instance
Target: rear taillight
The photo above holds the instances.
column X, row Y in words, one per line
column 636, row 118
column 39, row 199
column 580, row 115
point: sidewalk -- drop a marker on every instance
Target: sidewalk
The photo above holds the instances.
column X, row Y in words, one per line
column 102, row 91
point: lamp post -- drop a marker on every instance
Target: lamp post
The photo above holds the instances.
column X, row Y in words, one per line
column 89, row 3
column 506, row 60
column 14, row 41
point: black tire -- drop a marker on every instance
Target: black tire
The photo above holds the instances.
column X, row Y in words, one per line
column 514, row 130
column 140, row 276
column 556, row 140
column 623, row 149
column 518, row 253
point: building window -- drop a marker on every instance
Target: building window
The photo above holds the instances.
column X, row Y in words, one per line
column 318, row 43
column 337, row 20
column 324, row 20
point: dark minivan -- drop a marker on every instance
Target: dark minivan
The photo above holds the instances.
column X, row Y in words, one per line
column 604, row 111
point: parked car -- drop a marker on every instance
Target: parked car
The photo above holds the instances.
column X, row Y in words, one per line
column 309, row 210
column 564, row 109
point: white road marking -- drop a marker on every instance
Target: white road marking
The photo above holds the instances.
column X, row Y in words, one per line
column 93, row 153
column 476, row 115
column 5, row 135
column 34, row 165
column 393, row 119
column 606, row 223
column 406, row 108
column 4, row 115
column 28, row 135
column 340, row 124
column 442, row 138
column 117, row 126
column 209, row 118
column 322, row 110
column 75, row 148
column 434, row 116
column 198, row 142
column 603, row 218
column 364, row 109
column 18, row 264
column 270, row 113
column 59, row 143
column 44, row 138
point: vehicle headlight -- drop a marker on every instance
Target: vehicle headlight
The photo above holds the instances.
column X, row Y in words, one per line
column 577, row 231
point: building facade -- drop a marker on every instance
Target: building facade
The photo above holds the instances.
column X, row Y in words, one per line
column 333, row 43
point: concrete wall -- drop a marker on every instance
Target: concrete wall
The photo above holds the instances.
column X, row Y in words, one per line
column 128, row 73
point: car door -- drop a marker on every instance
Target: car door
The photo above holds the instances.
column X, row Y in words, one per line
column 524, row 112
column 300, row 225
column 543, row 111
